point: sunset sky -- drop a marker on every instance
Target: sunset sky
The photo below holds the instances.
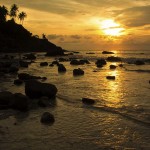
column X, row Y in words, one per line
column 89, row 24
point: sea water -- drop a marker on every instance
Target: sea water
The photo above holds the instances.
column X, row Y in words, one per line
column 120, row 118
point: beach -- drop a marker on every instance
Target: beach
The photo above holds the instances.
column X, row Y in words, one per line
column 119, row 118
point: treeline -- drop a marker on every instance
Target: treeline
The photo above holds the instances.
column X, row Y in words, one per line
column 13, row 13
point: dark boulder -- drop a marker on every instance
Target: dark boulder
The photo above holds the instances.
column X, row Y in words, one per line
column 55, row 62
column 63, row 59
column 44, row 102
column 18, row 82
column 99, row 65
column 111, row 77
column 15, row 101
column 23, row 64
column 107, row 52
column 51, row 65
column 76, row 62
column 20, row 102
column 61, row 68
column 36, row 89
column 114, row 59
column 78, row 72
column 84, row 61
column 57, row 51
column 88, row 101
column 47, row 118
column 100, row 62
column 112, row 67
column 120, row 65
column 30, row 56
column 43, row 64
column 25, row 76
column 139, row 62
column 5, row 99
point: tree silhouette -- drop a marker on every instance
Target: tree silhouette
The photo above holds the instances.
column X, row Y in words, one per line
column 21, row 16
column 44, row 36
column 13, row 11
column 3, row 13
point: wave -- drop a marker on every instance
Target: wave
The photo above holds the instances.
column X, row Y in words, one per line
column 127, row 112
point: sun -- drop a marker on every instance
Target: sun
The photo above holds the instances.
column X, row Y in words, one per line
column 111, row 28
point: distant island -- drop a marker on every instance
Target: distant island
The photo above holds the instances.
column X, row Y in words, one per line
column 15, row 38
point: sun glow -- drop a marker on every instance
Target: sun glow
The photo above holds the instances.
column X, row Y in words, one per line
column 110, row 27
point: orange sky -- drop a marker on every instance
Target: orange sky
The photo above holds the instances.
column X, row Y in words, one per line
column 89, row 24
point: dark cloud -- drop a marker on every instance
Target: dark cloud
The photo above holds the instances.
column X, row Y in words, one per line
column 134, row 17
column 54, row 36
column 76, row 36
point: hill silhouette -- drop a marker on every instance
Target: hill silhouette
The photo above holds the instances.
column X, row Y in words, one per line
column 15, row 38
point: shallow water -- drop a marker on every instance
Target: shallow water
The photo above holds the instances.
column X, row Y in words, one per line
column 120, row 119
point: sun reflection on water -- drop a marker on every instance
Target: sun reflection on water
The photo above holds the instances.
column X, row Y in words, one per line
column 114, row 86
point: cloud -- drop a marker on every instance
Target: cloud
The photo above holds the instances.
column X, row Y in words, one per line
column 76, row 36
column 134, row 17
column 54, row 36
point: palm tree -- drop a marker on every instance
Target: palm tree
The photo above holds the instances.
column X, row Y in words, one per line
column 13, row 11
column 3, row 13
column 21, row 16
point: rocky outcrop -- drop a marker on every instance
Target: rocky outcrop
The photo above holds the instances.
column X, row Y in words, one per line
column 36, row 89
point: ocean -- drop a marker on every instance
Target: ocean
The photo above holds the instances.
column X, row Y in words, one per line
column 119, row 119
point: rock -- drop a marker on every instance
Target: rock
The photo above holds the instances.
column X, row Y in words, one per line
column 107, row 52
column 120, row 65
column 15, row 101
column 100, row 62
column 5, row 99
column 78, row 72
column 23, row 64
column 43, row 64
column 20, row 102
column 57, row 51
column 51, row 65
column 76, row 62
column 111, row 77
column 112, row 67
column 139, row 62
column 88, row 101
column 55, row 63
column 61, row 68
column 44, row 102
column 13, row 69
column 63, row 59
column 114, row 59
column 84, row 61
column 36, row 89
column 30, row 56
column 99, row 65
column 47, row 118
column 18, row 82
column 25, row 76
